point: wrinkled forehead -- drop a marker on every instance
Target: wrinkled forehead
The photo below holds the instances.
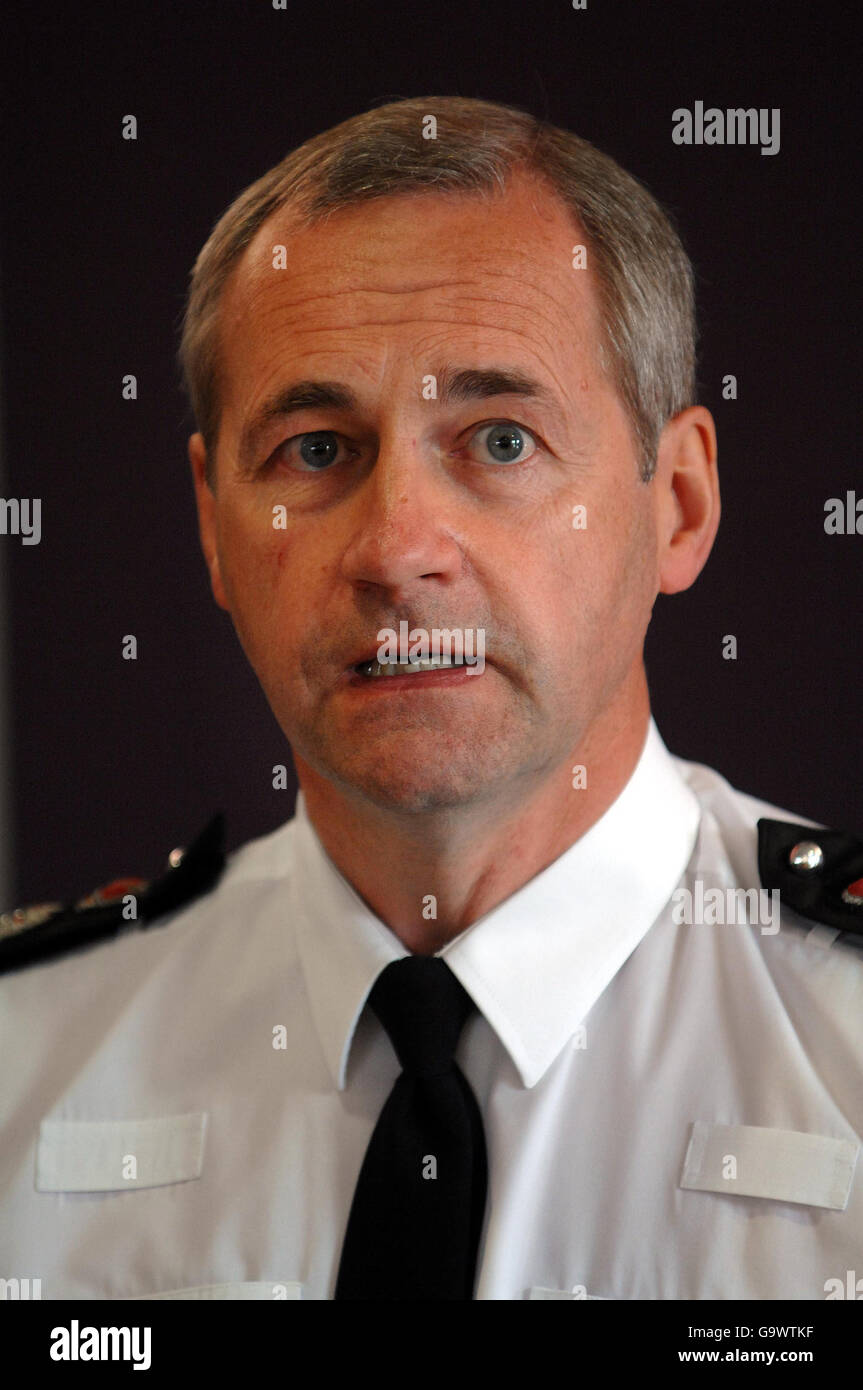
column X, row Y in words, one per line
column 514, row 259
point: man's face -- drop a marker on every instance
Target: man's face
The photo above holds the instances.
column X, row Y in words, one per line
column 404, row 506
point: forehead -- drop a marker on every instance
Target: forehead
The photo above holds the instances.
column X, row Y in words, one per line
column 414, row 272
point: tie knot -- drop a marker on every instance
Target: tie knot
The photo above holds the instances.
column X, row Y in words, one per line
column 423, row 1007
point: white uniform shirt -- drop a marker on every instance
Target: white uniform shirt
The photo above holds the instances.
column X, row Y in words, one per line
column 671, row 1111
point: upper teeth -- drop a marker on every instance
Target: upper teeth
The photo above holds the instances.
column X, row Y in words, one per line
column 395, row 668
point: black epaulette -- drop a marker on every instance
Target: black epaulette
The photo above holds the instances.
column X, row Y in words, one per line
column 51, row 929
column 818, row 872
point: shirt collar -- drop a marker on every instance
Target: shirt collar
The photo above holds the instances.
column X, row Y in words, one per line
column 535, row 964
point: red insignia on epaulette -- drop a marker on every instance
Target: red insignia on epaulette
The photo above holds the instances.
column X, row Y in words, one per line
column 117, row 888
column 853, row 894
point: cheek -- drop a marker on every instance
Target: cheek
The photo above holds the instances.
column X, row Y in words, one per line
column 601, row 574
column 250, row 547
column 261, row 571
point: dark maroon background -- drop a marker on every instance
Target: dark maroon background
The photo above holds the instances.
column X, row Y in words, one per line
column 116, row 761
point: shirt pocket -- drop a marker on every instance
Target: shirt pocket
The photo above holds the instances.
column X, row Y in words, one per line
column 115, row 1155
column 785, row 1165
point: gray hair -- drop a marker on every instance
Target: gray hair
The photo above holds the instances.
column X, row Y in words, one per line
column 644, row 277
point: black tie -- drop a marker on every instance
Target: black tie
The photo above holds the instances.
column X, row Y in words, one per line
column 417, row 1213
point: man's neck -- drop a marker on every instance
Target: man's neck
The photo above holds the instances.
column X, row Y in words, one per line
column 428, row 877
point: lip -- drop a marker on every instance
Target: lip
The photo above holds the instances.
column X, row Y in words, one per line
column 371, row 654
column 447, row 678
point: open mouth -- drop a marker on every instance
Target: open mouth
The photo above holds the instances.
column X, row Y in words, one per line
column 375, row 669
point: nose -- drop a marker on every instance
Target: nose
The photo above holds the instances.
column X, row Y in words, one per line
column 403, row 522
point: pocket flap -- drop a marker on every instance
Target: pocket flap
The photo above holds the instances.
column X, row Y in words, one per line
column 114, row 1155
column 271, row 1291
column 783, row 1164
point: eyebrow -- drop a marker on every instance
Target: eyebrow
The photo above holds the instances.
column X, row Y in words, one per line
column 455, row 385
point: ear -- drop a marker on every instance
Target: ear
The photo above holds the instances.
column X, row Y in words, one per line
column 688, row 506
column 207, row 523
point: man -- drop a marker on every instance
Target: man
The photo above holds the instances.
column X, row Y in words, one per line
column 510, row 1009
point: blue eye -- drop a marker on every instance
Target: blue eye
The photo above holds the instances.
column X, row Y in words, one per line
column 507, row 443
column 318, row 449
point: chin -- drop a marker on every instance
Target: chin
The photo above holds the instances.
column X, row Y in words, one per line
column 415, row 783
column 411, row 791
column 421, row 770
